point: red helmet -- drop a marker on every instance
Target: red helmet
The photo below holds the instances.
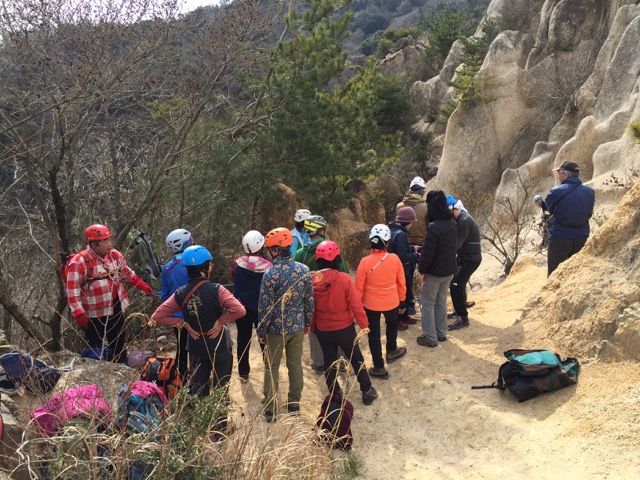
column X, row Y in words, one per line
column 278, row 237
column 327, row 250
column 96, row 233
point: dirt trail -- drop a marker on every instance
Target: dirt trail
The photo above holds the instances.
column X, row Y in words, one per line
column 428, row 423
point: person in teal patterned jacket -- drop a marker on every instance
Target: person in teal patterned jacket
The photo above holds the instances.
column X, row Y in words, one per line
column 285, row 309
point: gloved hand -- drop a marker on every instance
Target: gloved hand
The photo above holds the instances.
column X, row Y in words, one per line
column 402, row 306
column 82, row 320
column 142, row 286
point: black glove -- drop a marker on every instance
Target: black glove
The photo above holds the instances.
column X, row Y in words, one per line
column 403, row 305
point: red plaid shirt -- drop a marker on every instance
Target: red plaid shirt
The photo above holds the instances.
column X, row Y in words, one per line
column 96, row 297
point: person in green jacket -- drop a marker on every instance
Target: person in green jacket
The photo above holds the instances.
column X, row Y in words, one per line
column 316, row 226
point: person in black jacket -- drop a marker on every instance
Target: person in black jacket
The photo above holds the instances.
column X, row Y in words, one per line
column 469, row 258
column 399, row 244
column 437, row 266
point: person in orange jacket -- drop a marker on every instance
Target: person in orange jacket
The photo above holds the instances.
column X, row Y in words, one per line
column 380, row 282
column 336, row 304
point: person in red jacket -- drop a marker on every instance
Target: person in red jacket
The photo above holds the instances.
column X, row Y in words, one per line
column 97, row 298
column 336, row 304
column 382, row 287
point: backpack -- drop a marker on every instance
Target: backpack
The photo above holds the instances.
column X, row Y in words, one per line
column 163, row 371
column 100, row 353
column 80, row 402
column 37, row 377
column 529, row 373
column 66, row 258
column 334, row 422
column 143, row 259
column 139, row 407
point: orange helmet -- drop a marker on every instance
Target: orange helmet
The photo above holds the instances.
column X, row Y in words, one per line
column 278, row 237
column 97, row 232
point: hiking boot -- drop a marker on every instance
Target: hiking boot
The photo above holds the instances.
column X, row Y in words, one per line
column 461, row 322
column 293, row 409
column 425, row 342
column 442, row 339
column 470, row 304
column 244, row 378
column 318, row 369
column 370, row 396
column 452, row 315
column 402, row 326
column 396, row 354
column 410, row 321
column 269, row 417
column 411, row 310
column 380, row 373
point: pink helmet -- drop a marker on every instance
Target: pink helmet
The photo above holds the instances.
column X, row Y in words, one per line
column 327, row 250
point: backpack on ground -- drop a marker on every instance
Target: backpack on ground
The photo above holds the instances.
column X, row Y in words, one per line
column 140, row 407
column 138, row 358
column 163, row 371
column 334, row 422
column 104, row 354
column 79, row 402
column 529, row 373
column 37, row 377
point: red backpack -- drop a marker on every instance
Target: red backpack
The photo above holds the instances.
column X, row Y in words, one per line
column 63, row 268
column 334, row 422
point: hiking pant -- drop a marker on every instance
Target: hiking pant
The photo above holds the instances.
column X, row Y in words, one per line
column 245, row 327
column 433, row 298
column 458, row 286
column 292, row 346
column 559, row 250
column 315, row 351
column 109, row 332
column 375, row 346
column 201, row 367
column 346, row 340
column 408, row 278
column 182, row 355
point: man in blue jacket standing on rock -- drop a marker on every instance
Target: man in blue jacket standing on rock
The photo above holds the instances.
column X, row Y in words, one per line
column 571, row 204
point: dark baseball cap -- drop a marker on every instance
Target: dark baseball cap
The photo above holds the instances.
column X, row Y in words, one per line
column 568, row 167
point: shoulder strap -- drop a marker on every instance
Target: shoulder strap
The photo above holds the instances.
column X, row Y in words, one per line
column 379, row 262
column 191, row 292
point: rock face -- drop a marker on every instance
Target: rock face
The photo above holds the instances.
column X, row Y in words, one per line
column 563, row 84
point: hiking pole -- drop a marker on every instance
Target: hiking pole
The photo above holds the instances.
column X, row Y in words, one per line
column 504, row 266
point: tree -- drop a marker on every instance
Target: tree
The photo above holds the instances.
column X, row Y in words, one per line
column 97, row 108
column 443, row 29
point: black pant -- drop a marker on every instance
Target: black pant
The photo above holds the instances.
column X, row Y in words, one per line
column 201, row 367
column 109, row 331
column 560, row 250
column 182, row 355
column 346, row 340
column 458, row 285
column 408, row 278
column 391, row 319
column 245, row 327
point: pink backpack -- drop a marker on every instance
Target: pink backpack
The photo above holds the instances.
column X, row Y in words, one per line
column 83, row 402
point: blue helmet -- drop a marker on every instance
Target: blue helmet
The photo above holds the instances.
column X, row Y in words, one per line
column 451, row 200
column 195, row 255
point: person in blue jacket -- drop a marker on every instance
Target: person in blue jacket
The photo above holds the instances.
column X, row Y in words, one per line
column 174, row 276
column 571, row 206
column 299, row 234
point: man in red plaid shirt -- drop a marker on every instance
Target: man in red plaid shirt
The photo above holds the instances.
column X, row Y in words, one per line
column 97, row 298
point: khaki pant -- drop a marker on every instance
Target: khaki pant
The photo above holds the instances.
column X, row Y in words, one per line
column 292, row 346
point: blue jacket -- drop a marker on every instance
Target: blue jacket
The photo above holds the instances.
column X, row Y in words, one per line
column 174, row 276
column 399, row 244
column 570, row 211
column 247, row 273
column 286, row 298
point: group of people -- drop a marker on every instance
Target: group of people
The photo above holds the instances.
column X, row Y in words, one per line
column 292, row 283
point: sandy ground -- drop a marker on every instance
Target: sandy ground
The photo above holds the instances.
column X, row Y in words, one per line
column 428, row 423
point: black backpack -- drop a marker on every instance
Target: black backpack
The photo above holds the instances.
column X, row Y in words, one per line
column 529, row 373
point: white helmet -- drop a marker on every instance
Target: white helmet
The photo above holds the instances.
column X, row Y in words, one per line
column 381, row 231
column 301, row 215
column 252, row 242
column 179, row 239
column 418, row 182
